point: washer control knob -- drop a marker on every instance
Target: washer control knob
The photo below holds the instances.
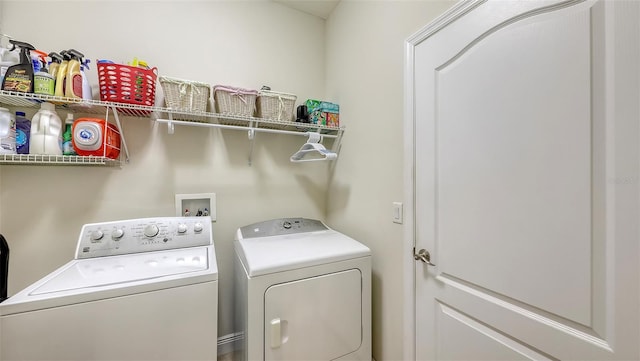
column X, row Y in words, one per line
column 151, row 230
column 97, row 235
column 286, row 225
column 117, row 234
column 197, row 227
column 182, row 228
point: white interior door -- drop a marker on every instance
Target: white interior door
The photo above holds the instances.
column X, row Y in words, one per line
column 523, row 120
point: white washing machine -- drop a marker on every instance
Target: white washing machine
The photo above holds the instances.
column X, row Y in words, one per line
column 303, row 292
column 141, row 289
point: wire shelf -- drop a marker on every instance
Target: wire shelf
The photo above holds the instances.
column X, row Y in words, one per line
column 168, row 115
column 31, row 100
column 242, row 121
column 57, row 160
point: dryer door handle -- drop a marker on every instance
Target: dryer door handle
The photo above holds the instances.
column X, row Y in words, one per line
column 276, row 333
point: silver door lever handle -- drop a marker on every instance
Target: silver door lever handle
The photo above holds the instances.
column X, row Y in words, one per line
column 424, row 256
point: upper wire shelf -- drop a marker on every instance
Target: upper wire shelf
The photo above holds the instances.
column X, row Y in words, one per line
column 31, row 100
column 167, row 115
column 98, row 106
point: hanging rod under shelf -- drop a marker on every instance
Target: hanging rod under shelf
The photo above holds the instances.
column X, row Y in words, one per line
column 253, row 127
column 170, row 123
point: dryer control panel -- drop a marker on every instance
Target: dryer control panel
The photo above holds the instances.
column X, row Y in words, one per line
column 143, row 235
column 276, row 227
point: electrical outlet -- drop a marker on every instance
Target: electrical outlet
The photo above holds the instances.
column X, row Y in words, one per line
column 397, row 215
column 200, row 204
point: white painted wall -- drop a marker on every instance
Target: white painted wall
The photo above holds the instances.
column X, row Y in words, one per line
column 365, row 64
column 246, row 44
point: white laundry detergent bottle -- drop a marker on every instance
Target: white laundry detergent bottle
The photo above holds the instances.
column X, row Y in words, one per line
column 8, row 58
column 7, row 132
column 46, row 131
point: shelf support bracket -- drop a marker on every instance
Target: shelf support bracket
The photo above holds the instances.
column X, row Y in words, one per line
column 252, row 138
column 122, row 140
column 337, row 142
column 170, row 127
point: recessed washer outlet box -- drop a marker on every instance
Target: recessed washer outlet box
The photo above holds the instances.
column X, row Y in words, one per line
column 199, row 204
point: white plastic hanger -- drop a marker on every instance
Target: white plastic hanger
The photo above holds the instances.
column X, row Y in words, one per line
column 312, row 151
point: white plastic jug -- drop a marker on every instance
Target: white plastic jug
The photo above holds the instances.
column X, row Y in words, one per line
column 7, row 132
column 7, row 59
column 46, row 131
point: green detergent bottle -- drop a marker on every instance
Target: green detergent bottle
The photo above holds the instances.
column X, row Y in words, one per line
column 67, row 144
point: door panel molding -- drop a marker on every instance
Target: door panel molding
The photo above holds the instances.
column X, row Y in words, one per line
column 513, row 165
column 511, row 346
column 610, row 328
column 504, row 24
column 475, row 294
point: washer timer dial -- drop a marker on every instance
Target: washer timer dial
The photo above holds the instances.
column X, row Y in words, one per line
column 117, row 234
column 97, row 235
column 151, row 230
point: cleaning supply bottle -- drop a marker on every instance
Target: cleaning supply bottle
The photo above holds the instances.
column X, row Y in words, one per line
column 46, row 131
column 86, row 87
column 8, row 58
column 23, row 133
column 7, row 132
column 43, row 82
column 19, row 77
column 67, row 143
column 97, row 137
column 73, row 88
column 36, row 59
column 62, row 74
column 56, row 59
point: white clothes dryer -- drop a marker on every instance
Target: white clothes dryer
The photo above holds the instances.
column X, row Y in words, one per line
column 140, row 289
column 303, row 292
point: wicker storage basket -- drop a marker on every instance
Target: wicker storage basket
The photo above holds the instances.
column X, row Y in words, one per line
column 234, row 101
column 185, row 96
column 275, row 106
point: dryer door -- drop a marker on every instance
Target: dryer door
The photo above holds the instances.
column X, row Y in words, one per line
column 318, row 318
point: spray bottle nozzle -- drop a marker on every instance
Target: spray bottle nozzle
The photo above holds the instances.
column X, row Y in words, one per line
column 55, row 57
column 24, row 50
column 41, row 57
column 74, row 53
column 85, row 63
column 21, row 44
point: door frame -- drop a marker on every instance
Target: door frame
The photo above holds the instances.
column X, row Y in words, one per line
column 409, row 264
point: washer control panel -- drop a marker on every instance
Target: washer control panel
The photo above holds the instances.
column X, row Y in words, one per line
column 143, row 235
column 276, row 227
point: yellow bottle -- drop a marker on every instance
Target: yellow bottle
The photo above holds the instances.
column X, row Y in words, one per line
column 62, row 74
column 73, row 87
column 56, row 59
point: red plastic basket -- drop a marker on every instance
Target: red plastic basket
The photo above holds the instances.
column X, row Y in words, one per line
column 127, row 84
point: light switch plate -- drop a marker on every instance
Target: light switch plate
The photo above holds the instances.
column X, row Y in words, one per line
column 199, row 204
column 397, row 215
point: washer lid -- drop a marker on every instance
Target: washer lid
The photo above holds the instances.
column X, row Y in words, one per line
column 264, row 255
column 115, row 276
column 109, row 271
